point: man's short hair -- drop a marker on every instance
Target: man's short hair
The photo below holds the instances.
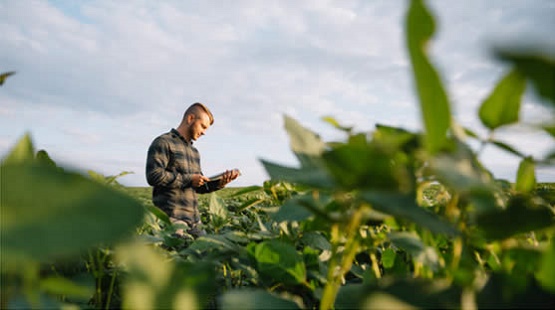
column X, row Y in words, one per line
column 196, row 108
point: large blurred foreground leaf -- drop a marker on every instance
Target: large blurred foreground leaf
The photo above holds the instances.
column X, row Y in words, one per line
column 521, row 216
column 400, row 294
column 152, row 281
column 434, row 103
column 536, row 67
column 255, row 299
column 502, row 107
column 47, row 212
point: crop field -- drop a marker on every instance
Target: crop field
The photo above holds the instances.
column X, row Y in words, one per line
column 387, row 219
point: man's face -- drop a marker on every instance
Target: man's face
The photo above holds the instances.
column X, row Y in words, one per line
column 198, row 126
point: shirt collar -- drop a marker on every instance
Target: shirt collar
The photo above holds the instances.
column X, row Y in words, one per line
column 175, row 132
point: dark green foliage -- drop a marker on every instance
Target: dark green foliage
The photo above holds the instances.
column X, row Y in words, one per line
column 381, row 220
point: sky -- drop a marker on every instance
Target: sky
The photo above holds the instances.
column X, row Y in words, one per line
column 97, row 81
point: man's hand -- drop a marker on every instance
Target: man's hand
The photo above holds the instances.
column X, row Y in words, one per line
column 199, row 180
column 228, row 176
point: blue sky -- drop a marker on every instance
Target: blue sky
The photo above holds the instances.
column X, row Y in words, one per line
column 98, row 80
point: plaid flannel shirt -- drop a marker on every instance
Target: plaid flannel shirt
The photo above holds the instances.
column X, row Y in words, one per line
column 171, row 162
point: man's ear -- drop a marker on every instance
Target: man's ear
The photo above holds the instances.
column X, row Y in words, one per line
column 190, row 118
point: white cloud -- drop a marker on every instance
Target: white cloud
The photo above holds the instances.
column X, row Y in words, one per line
column 97, row 81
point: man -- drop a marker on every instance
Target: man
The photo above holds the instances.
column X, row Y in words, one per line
column 173, row 170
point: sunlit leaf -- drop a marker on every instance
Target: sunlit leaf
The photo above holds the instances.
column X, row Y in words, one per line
column 216, row 208
column 22, row 151
column 280, row 262
column 332, row 121
column 434, row 104
column 502, row 106
column 388, row 258
column 526, row 176
column 306, row 144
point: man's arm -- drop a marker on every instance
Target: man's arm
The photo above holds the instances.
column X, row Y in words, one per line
column 157, row 173
column 219, row 183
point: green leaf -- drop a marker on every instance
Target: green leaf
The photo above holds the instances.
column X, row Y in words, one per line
column 152, row 281
column 362, row 166
column 507, row 148
column 404, row 206
column 108, row 180
column 502, row 106
column 279, row 262
column 388, row 258
column 316, row 240
column 521, row 216
column 22, row 151
column 43, row 158
column 332, row 121
column 292, row 210
column 207, row 243
column 434, row 103
column 216, row 208
column 62, row 286
column 546, row 274
column 550, row 129
column 4, row 76
column 394, row 138
column 471, row 133
column 538, row 68
column 161, row 215
column 315, row 177
column 411, row 243
column 254, row 300
column 462, row 171
column 249, row 203
column 47, row 212
column 306, row 144
column 526, row 176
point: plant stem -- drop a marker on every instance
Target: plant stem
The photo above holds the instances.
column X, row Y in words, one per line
column 344, row 259
column 111, row 289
